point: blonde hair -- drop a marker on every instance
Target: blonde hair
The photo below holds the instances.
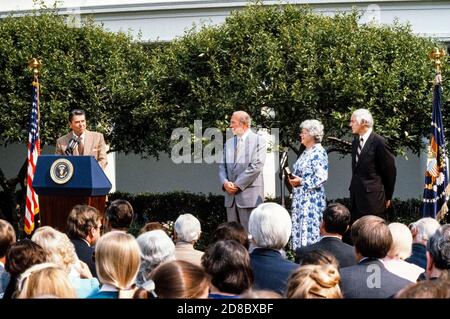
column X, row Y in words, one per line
column 60, row 249
column 44, row 280
column 117, row 259
column 314, row 281
column 401, row 241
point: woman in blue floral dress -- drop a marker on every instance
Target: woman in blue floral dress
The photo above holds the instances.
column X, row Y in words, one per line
column 310, row 173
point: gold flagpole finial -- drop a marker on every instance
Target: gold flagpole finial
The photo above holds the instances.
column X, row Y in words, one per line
column 34, row 65
column 436, row 55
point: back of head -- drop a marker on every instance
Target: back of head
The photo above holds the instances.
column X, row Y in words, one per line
column 401, row 241
column 423, row 229
column 187, row 228
column 81, row 219
column 7, row 237
column 22, row 255
column 314, row 281
column 231, row 230
column 319, row 257
column 439, row 247
column 58, row 246
column 336, row 219
column 228, row 264
column 426, row 289
column 261, row 294
column 43, row 280
column 117, row 259
column 119, row 215
column 270, row 226
column 180, row 279
column 371, row 236
column 150, row 226
column 155, row 247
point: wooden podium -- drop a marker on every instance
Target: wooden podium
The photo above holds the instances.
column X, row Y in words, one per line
column 65, row 181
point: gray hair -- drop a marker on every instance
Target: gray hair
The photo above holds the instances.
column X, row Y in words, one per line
column 424, row 228
column 244, row 118
column 156, row 247
column 314, row 128
column 188, row 228
column 439, row 247
column 363, row 115
column 270, row 226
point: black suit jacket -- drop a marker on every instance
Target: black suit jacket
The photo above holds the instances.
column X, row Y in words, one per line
column 369, row 279
column 343, row 252
column 373, row 177
column 85, row 254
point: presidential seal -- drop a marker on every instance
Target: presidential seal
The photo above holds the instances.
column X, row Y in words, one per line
column 61, row 171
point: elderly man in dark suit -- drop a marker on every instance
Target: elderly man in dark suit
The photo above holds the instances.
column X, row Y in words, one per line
column 240, row 171
column 270, row 227
column 335, row 222
column 80, row 141
column 369, row 278
column 373, row 169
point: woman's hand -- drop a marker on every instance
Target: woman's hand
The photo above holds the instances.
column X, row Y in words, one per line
column 295, row 181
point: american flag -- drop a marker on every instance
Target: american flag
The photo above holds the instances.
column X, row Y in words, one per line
column 34, row 149
column 436, row 174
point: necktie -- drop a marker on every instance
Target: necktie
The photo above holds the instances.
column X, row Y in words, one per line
column 358, row 151
column 238, row 147
column 80, row 146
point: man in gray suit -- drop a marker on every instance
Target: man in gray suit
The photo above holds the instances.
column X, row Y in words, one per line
column 240, row 171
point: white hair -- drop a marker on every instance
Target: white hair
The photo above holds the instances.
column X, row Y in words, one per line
column 361, row 115
column 156, row 247
column 188, row 228
column 401, row 246
column 270, row 226
column 314, row 128
column 424, row 228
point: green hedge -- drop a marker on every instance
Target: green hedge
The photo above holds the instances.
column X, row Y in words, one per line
column 210, row 211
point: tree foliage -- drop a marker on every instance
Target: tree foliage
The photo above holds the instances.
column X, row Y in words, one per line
column 301, row 65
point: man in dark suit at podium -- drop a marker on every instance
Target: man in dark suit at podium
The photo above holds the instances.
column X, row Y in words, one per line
column 81, row 141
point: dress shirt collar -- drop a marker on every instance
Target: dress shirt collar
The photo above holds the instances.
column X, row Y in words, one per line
column 365, row 136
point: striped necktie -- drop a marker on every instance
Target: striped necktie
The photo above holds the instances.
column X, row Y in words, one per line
column 80, row 146
column 358, row 151
column 238, row 146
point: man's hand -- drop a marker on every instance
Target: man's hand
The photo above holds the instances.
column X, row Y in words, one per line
column 388, row 203
column 230, row 188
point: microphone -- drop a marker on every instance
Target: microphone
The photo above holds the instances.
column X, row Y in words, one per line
column 284, row 157
column 70, row 147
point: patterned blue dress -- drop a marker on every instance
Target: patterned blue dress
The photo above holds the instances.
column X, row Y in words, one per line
column 309, row 200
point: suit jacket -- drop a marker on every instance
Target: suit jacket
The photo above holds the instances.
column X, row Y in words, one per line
column 373, row 177
column 246, row 172
column 186, row 251
column 85, row 254
column 418, row 256
column 271, row 270
column 370, row 279
column 94, row 145
column 343, row 252
column 4, row 280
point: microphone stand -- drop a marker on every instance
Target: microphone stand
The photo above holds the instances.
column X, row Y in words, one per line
column 283, row 177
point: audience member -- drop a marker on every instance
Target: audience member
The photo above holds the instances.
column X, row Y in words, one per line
column 155, row 248
column 19, row 257
column 270, row 227
column 421, row 231
column 151, row 226
column 180, row 279
column 438, row 252
column 43, row 280
column 426, row 289
column 231, row 230
column 84, row 227
column 335, row 222
column 314, row 281
column 228, row 264
column 117, row 258
column 187, row 231
column 7, row 238
column 119, row 216
column 399, row 251
column 319, row 257
column 369, row 278
column 62, row 253
column 261, row 294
